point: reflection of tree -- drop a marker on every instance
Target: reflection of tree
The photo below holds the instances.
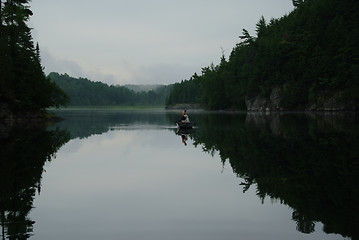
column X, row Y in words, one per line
column 309, row 163
column 84, row 123
column 185, row 134
column 303, row 225
column 23, row 153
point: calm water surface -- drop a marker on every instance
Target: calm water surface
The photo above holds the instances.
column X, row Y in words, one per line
column 132, row 175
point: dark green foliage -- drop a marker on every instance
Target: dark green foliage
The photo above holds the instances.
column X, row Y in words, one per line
column 84, row 92
column 296, row 3
column 309, row 162
column 23, row 85
column 23, row 154
column 311, row 55
column 187, row 91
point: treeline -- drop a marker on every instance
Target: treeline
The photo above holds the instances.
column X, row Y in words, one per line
column 187, row 91
column 308, row 162
column 23, row 154
column 83, row 92
column 307, row 59
column 23, row 84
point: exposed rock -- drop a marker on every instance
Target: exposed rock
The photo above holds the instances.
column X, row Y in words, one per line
column 256, row 104
column 334, row 102
column 275, row 99
column 260, row 103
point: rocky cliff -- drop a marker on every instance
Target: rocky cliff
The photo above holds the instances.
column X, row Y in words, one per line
column 328, row 102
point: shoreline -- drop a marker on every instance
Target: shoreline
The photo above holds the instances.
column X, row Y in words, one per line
column 48, row 116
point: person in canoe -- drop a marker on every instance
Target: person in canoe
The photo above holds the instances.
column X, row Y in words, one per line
column 185, row 116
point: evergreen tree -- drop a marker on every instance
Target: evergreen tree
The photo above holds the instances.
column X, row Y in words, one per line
column 261, row 26
column 24, row 86
column 296, row 3
column 84, row 92
column 309, row 58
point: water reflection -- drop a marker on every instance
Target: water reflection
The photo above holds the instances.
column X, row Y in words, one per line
column 306, row 161
column 184, row 134
column 85, row 123
column 23, row 153
column 309, row 162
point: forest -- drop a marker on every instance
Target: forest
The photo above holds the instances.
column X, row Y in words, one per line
column 23, row 84
column 24, row 153
column 84, row 92
column 306, row 161
column 306, row 60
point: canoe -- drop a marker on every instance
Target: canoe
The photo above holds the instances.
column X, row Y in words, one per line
column 185, row 124
column 184, row 131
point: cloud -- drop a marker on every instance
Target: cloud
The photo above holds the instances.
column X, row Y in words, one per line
column 163, row 73
column 124, row 73
column 74, row 69
column 140, row 41
column 53, row 64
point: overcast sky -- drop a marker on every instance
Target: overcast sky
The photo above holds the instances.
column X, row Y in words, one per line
column 143, row 41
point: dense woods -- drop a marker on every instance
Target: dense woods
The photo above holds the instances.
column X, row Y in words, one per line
column 308, row 162
column 23, row 84
column 24, row 152
column 188, row 91
column 84, row 92
column 306, row 60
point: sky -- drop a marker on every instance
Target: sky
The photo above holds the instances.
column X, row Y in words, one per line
column 143, row 41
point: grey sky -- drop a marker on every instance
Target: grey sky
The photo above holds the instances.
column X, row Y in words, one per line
column 143, row 41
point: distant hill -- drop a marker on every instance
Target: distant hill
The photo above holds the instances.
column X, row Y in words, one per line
column 84, row 92
column 143, row 88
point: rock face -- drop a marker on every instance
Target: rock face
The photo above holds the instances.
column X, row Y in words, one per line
column 333, row 103
column 260, row 103
column 328, row 103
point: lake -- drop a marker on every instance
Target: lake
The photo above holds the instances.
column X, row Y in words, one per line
column 131, row 174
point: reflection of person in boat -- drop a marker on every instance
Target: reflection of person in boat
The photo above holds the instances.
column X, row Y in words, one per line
column 185, row 116
column 184, row 139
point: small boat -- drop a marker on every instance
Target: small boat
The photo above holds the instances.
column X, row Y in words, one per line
column 182, row 124
column 184, row 131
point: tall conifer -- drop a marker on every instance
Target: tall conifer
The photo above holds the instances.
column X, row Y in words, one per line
column 24, row 86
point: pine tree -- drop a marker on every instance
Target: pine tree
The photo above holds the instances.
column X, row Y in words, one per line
column 24, row 86
column 296, row 3
column 261, row 26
